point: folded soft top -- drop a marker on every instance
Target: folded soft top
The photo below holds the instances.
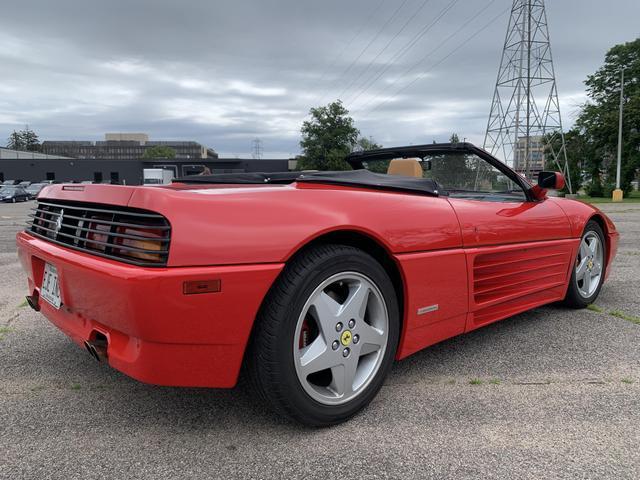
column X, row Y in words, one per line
column 353, row 178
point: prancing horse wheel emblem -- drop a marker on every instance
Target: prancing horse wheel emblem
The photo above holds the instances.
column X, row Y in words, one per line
column 346, row 337
column 58, row 225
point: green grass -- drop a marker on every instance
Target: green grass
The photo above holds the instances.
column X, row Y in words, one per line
column 616, row 313
column 627, row 380
column 75, row 386
column 494, row 381
column 594, row 308
column 475, row 381
column 625, row 316
column 23, row 304
column 633, row 198
column 4, row 331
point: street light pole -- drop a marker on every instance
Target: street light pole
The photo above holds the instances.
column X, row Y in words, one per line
column 617, row 193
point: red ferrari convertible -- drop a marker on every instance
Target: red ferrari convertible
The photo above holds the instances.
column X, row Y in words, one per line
column 315, row 282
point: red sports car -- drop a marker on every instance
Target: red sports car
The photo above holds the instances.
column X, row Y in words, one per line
column 315, row 281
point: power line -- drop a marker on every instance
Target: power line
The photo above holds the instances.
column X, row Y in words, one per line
column 472, row 18
column 358, row 77
column 375, row 37
column 405, row 49
column 439, row 62
column 346, row 46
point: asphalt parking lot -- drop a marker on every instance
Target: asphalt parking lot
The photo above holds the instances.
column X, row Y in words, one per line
column 552, row 393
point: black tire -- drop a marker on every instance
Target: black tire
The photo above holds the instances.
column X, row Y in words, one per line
column 270, row 364
column 573, row 298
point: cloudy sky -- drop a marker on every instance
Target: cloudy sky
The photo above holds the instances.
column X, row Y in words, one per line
column 226, row 72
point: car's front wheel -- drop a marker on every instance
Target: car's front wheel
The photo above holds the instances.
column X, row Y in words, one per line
column 326, row 335
column 589, row 268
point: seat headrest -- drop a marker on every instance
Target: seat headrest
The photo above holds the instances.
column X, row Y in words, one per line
column 407, row 167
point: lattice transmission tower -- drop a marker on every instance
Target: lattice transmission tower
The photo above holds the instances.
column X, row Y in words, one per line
column 256, row 149
column 524, row 126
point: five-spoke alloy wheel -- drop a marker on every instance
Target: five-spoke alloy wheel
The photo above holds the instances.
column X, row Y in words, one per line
column 340, row 338
column 589, row 264
column 588, row 272
column 326, row 335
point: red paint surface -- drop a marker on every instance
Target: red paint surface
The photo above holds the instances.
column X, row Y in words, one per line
column 477, row 261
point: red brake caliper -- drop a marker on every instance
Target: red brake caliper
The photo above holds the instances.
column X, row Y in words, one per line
column 304, row 335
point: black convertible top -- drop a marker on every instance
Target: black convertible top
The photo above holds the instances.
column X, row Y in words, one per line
column 352, row 178
column 365, row 178
column 359, row 177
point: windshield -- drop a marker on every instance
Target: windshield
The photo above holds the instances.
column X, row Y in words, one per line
column 7, row 189
column 35, row 187
column 460, row 174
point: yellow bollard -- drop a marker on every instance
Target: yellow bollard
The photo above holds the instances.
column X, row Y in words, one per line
column 617, row 195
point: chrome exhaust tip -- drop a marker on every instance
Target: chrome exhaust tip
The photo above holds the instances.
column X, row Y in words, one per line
column 32, row 300
column 97, row 349
column 91, row 350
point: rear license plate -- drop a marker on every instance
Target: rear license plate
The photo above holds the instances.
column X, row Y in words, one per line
column 50, row 289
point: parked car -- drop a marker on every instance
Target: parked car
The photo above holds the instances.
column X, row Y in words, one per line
column 314, row 282
column 34, row 189
column 24, row 184
column 13, row 194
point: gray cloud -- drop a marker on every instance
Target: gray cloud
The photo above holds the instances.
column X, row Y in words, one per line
column 224, row 73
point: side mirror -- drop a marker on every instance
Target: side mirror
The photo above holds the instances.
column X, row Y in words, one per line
column 551, row 180
column 547, row 181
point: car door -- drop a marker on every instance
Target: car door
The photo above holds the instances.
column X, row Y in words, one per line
column 518, row 250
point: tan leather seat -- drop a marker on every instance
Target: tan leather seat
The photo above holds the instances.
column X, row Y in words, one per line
column 407, row 167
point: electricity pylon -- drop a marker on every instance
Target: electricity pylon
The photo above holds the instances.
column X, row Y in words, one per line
column 524, row 123
column 256, row 149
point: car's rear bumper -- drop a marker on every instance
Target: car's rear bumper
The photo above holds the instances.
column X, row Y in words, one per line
column 155, row 332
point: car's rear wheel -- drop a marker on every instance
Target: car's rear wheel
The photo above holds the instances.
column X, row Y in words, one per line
column 326, row 335
column 589, row 268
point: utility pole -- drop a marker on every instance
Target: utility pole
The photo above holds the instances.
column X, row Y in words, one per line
column 524, row 128
column 617, row 193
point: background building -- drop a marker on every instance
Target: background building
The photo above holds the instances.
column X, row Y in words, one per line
column 118, row 159
column 123, row 146
column 536, row 160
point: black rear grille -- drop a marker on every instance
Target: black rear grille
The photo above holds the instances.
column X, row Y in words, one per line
column 125, row 234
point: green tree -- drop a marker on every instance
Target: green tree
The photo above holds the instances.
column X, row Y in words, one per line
column 15, row 141
column 327, row 138
column 578, row 151
column 598, row 120
column 367, row 143
column 159, row 151
column 30, row 140
column 25, row 140
column 454, row 170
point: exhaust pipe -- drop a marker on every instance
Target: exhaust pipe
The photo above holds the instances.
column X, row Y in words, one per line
column 97, row 349
column 33, row 301
column 91, row 350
